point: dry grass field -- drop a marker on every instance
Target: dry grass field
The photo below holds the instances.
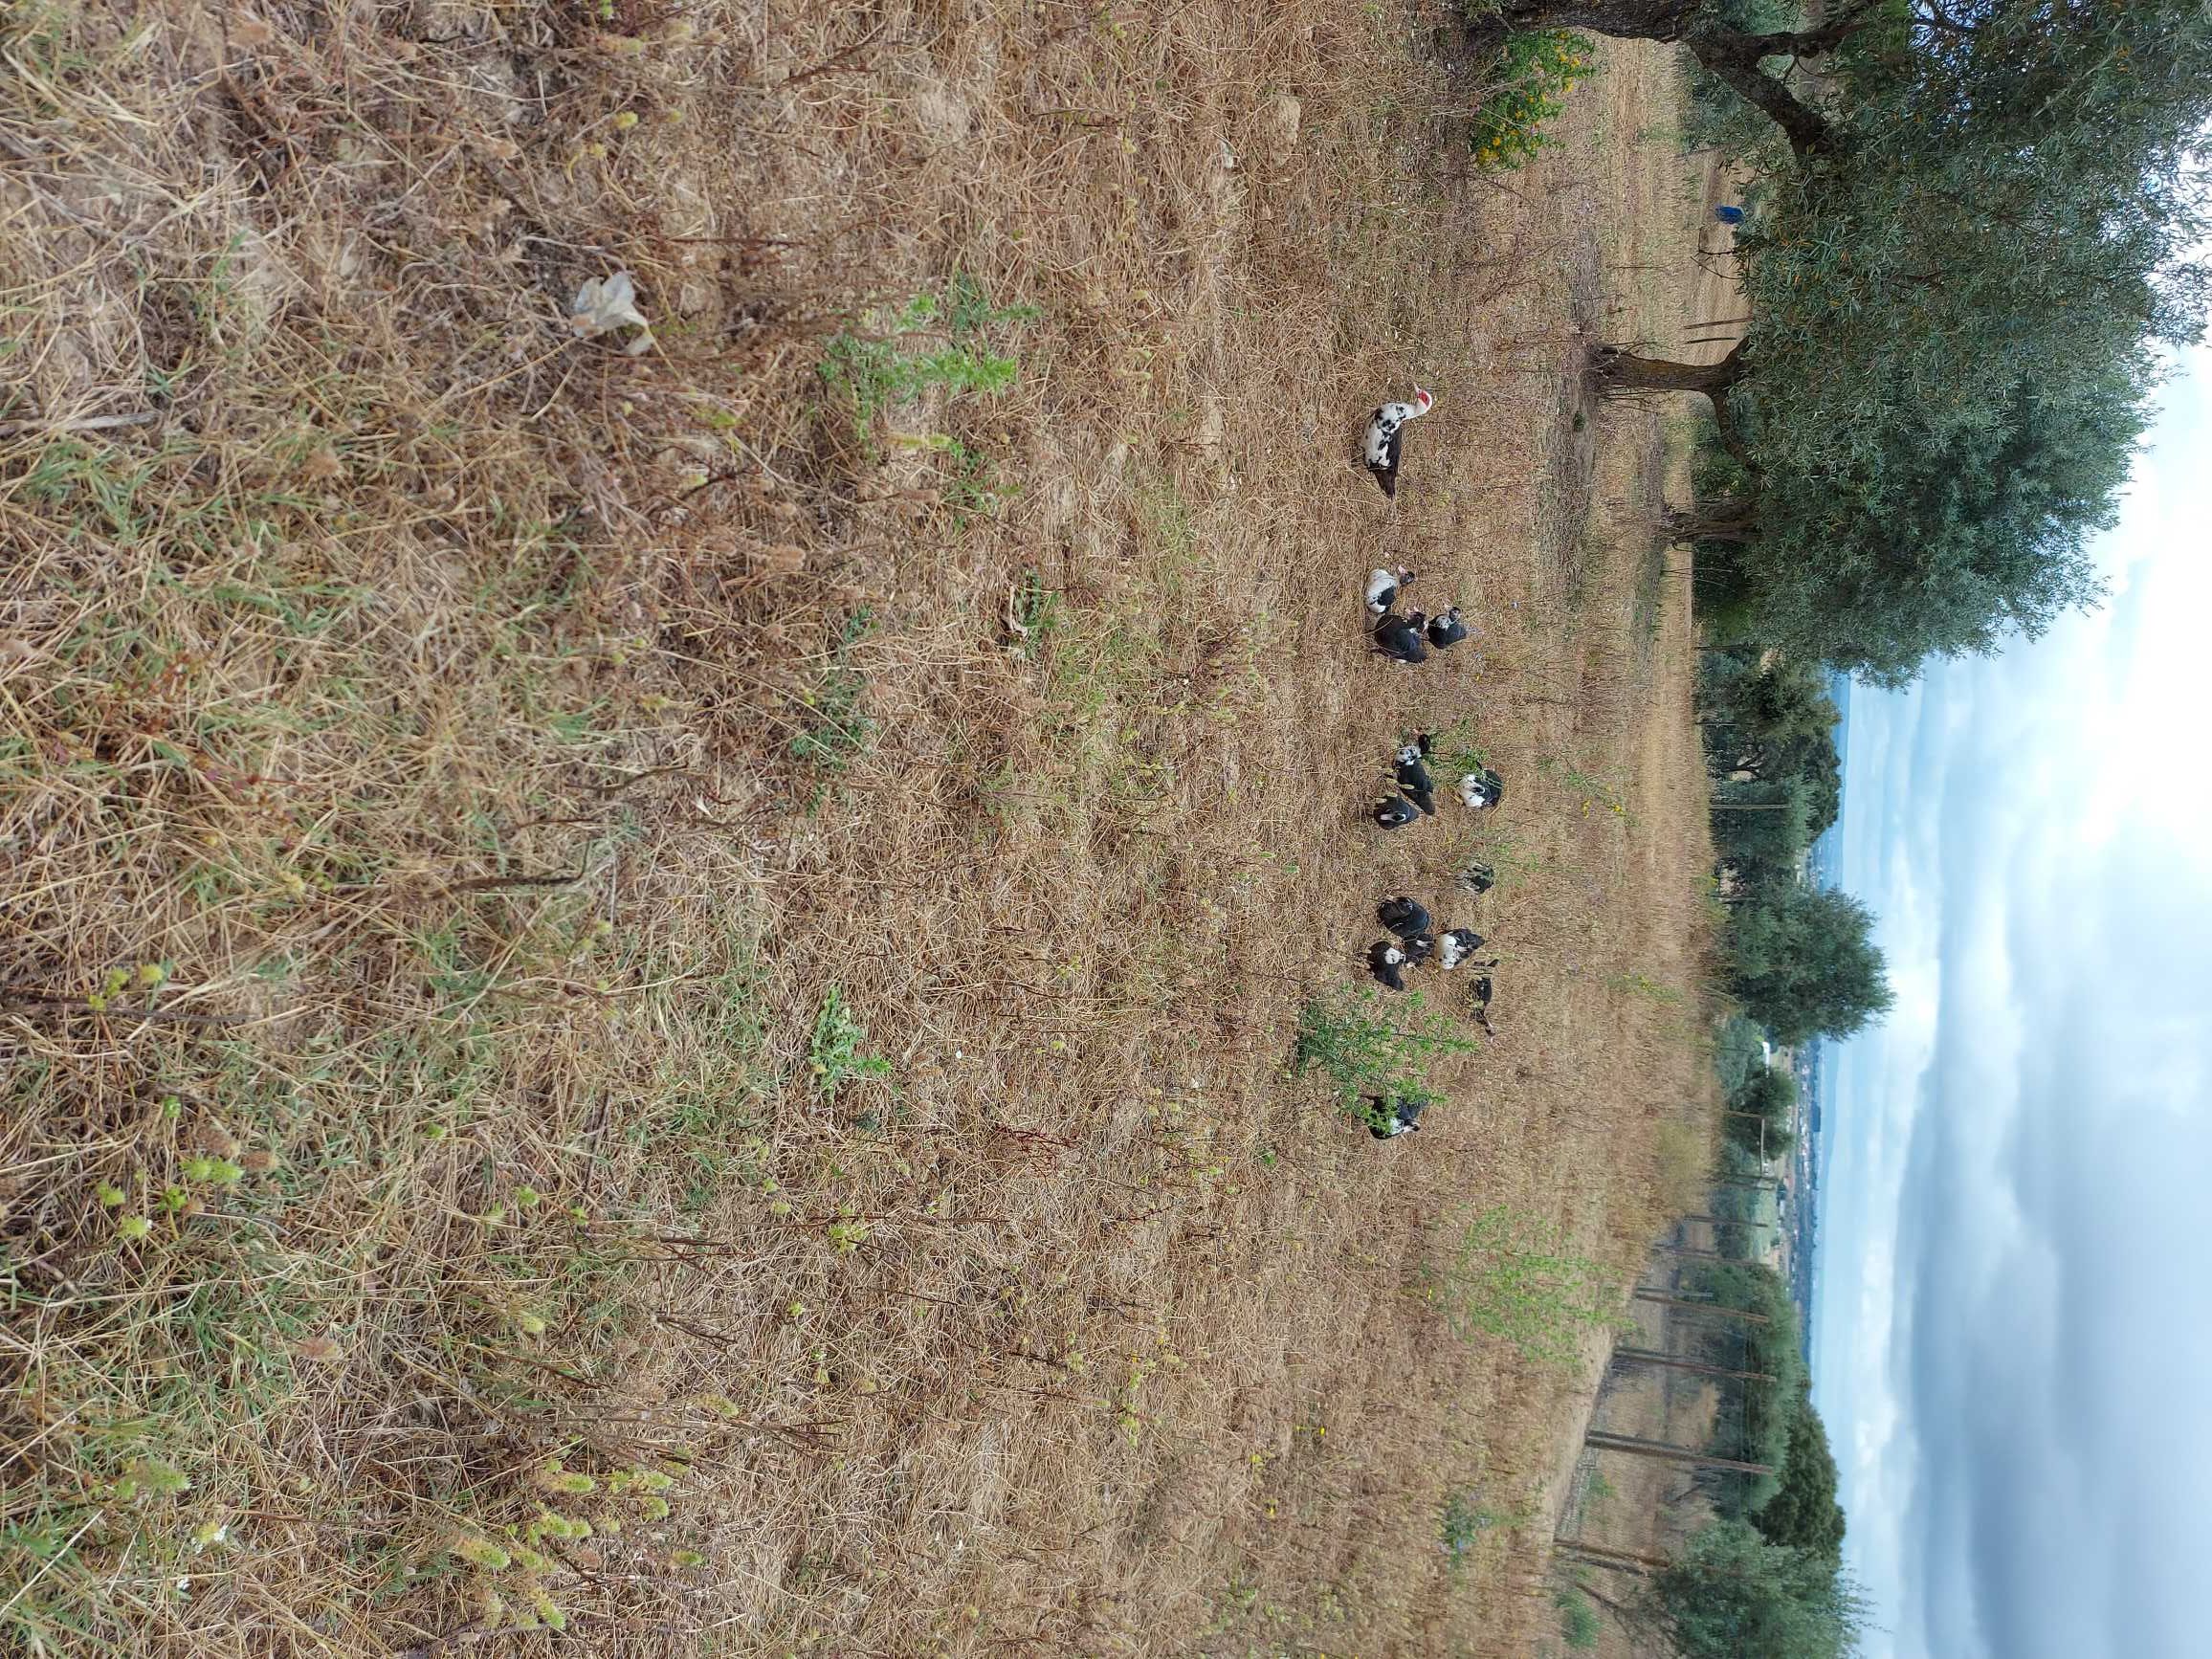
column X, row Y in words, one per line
column 646, row 1000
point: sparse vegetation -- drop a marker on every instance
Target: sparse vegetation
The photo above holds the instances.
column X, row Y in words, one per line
column 1580, row 1626
column 881, row 370
column 1464, row 1522
column 837, row 729
column 1513, row 1277
column 1366, row 1047
column 1455, row 750
column 497, row 830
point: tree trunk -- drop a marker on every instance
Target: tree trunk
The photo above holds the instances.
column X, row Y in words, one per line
column 1667, row 1453
column 1618, row 369
column 1733, row 57
column 1724, row 520
column 1624, row 19
column 1728, row 55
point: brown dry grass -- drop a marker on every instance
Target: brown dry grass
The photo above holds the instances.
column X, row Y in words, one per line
column 413, row 693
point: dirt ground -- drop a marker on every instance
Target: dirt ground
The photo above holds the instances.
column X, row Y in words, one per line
column 634, row 1007
column 1642, row 1508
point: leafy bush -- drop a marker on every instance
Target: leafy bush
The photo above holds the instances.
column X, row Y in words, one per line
column 1579, row 1622
column 875, row 370
column 834, row 1053
column 1513, row 1277
column 1464, row 1522
column 1529, row 82
column 1365, row 1049
column 1731, row 1593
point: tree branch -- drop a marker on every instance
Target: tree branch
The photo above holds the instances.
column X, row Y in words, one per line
column 1730, row 435
column 1733, row 58
column 1933, row 17
column 1729, row 54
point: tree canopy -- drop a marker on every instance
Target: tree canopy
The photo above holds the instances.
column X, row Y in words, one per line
column 1769, row 731
column 1731, row 1593
column 1962, row 261
column 1803, row 964
column 1803, row 1512
column 1761, row 1112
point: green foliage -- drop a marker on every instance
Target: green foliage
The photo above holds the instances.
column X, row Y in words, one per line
column 1040, row 613
column 1758, row 1428
column 1768, row 727
column 972, row 486
column 1511, row 1277
column 1463, row 1522
column 833, row 1051
column 1737, row 1053
column 1718, row 118
column 1961, row 286
column 1768, row 720
column 1762, row 828
column 1762, row 1111
column 836, row 729
column 875, row 371
column 1528, row 81
column 1963, row 519
column 1803, row 1512
column 1365, row 1047
column 1745, row 1214
column 1731, row 1594
column 1454, row 750
column 1803, row 964
column 1580, row 1626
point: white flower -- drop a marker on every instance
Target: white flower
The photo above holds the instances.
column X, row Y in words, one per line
column 606, row 304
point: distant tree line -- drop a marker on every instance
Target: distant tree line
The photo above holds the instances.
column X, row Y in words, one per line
column 1765, row 1577
column 1801, row 961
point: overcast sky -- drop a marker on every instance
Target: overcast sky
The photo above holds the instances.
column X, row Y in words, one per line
column 2014, row 1316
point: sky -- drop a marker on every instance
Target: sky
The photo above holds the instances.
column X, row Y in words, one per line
column 2013, row 1319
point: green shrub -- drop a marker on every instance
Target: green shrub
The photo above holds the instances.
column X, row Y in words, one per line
column 1366, row 1048
column 1464, row 1522
column 1511, row 1277
column 833, row 1053
column 1529, row 78
column 875, row 370
column 1579, row 1622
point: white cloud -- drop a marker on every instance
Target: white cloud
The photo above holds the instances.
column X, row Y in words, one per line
column 2010, row 1207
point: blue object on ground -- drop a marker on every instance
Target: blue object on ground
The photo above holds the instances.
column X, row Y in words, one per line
column 1728, row 216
